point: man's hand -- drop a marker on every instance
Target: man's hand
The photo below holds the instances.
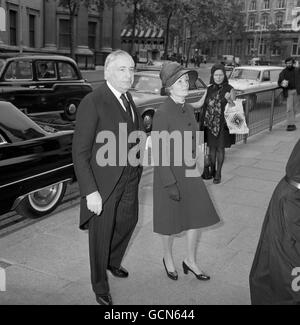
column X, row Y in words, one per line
column 173, row 192
column 94, row 203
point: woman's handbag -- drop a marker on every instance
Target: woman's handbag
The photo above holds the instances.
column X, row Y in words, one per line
column 235, row 118
column 207, row 164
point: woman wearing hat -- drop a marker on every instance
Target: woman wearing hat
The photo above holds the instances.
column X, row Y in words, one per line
column 213, row 103
column 180, row 203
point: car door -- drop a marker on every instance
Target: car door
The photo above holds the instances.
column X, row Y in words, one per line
column 17, row 83
column 264, row 98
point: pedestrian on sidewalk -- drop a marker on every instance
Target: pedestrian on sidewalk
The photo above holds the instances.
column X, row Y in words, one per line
column 277, row 260
column 180, row 203
column 289, row 80
column 213, row 122
column 109, row 194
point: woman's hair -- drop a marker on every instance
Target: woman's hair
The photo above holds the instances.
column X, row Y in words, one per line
column 214, row 69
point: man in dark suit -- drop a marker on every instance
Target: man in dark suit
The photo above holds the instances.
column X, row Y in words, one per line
column 289, row 80
column 109, row 194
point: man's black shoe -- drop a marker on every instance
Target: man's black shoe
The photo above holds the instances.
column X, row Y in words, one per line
column 291, row 128
column 119, row 272
column 104, row 299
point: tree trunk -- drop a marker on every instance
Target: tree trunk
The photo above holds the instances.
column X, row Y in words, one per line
column 189, row 47
column 167, row 35
column 133, row 28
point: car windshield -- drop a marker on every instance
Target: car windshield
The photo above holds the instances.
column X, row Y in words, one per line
column 147, row 84
column 245, row 74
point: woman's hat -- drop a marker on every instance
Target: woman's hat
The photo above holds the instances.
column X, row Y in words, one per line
column 172, row 71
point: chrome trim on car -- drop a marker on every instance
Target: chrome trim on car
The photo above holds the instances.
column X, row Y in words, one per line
column 22, row 197
column 27, row 178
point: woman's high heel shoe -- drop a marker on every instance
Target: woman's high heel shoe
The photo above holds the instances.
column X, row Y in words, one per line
column 171, row 275
column 202, row 277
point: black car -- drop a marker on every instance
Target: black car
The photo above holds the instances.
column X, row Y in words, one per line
column 35, row 165
column 39, row 84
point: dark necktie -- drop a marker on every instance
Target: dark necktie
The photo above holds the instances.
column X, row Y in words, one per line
column 126, row 105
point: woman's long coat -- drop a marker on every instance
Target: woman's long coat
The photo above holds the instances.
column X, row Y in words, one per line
column 195, row 208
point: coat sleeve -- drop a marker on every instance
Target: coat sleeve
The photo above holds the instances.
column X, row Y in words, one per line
column 159, row 148
column 281, row 78
column 84, row 135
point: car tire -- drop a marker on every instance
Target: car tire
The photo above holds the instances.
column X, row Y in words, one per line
column 148, row 120
column 42, row 202
column 70, row 110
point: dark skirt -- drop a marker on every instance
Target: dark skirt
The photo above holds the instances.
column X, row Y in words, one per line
column 278, row 251
column 223, row 140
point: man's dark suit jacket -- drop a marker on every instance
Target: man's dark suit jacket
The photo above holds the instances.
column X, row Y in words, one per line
column 99, row 111
column 284, row 76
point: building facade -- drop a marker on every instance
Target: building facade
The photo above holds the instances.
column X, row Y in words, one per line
column 268, row 32
column 44, row 27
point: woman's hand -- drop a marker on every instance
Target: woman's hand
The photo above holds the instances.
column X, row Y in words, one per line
column 229, row 98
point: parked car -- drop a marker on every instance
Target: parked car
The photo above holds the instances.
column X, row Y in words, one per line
column 35, row 165
column 259, row 61
column 256, row 78
column 39, row 84
column 148, row 94
column 152, row 65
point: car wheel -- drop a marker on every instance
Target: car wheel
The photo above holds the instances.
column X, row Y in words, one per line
column 148, row 120
column 42, row 202
column 71, row 110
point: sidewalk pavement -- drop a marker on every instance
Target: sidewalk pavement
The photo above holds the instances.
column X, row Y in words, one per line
column 48, row 263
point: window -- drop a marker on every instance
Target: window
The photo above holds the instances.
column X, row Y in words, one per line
column 252, row 22
column 31, row 30
column 266, row 76
column 46, row 70
column 281, row 4
column 274, row 75
column 279, row 21
column 20, row 70
column 2, row 140
column 266, row 4
column 262, row 47
column 92, row 35
column 66, row 71
column 265, row 22
column 12, row 27
column 250, row 46
column 252, row 5
column 64, row 33
column 295, row 47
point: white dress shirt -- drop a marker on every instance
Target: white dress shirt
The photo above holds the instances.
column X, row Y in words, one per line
column 118, row 96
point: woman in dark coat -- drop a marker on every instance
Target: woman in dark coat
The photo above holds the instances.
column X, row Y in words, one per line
column 278, row 253
column 213, row 103
column 180, row 203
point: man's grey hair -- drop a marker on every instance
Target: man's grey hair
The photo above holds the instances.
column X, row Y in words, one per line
column 113, row 56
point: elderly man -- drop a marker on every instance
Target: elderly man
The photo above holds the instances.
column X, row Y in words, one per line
column 289, row 80
column 109, row 195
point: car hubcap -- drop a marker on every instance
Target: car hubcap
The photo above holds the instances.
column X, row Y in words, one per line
column 148, row 122
column 46, row 198
column 72, row 109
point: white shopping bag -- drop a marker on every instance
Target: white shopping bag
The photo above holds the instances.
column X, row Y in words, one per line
column 235, row 118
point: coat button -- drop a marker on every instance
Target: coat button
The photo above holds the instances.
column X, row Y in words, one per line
column 190, row 124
